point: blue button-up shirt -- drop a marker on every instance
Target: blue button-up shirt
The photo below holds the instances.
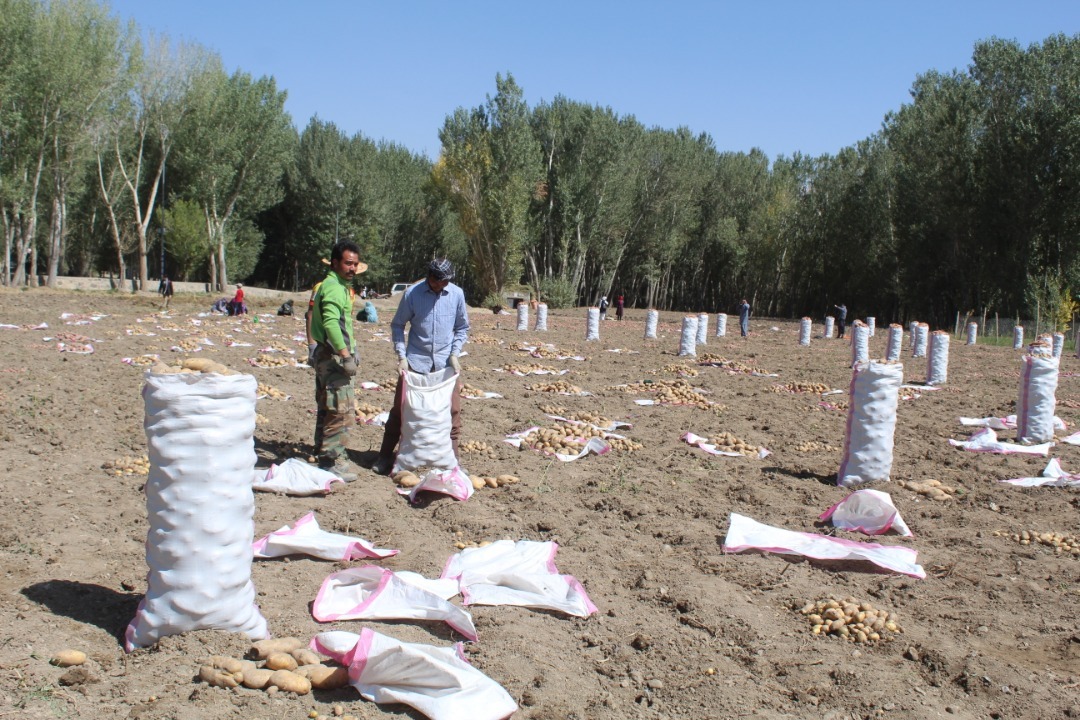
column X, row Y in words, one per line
column 438, row 326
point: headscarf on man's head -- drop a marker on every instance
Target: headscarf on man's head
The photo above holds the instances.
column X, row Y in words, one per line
column 441, row 269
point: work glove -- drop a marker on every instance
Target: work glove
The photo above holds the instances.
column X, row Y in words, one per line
column 348, row 364
column 311, row 350
column 403, row 365
column 455, row 362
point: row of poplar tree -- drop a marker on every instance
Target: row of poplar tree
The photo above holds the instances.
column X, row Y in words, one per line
column 114, row 145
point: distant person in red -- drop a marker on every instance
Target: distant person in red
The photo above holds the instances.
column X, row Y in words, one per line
column 619, row 305
column 236, row 305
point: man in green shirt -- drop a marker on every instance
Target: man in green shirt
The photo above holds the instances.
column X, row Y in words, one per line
column 335, row 359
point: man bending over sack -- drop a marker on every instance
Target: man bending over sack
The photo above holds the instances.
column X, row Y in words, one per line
column 335, row 359
column 438, row 327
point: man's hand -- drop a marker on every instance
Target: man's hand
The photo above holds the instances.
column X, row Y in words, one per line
column 348, row 364
column 455, row 362
column 403, row 365
column 312, row 348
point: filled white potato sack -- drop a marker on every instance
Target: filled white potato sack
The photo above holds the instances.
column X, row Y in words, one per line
column 652, row 318
column 1059, row 344
column 688, row 341
column 592, row 324
column 922, row 336
column 871, row 423
column 721, row 325
column 523, row 316
column 200, row 507
column 702, row 328
column 860, row 342
column 913, row 334
column 805, row 327
column 426, row 421
column 541, row 318
column 872, row 324
column 1037, row 402
column 937, row 366
column 829, row 322
column 896, row 340
column 972, row 332
column 1018, row 337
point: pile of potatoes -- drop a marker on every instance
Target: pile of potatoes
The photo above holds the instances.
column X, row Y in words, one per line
column 278, row 348
column 932, row 489
column 482, row 481
column 682, row 394
column 269, row 361
column 365, row 412
column 390, row 384
column 527, row 369
column 193, row 365
column 852, row 621
column 463, row 544
column 678, row 369
column 591, row 418
column 478, row 447
column 146, row 360
column 189, row 344
column 282, row 664
column 624, row 444
column 813, row 446
column 482, row 339
column 727, row 442
column 128, row 465
column 558, row 386
column 733, row 365
column 1062, row 544
column 560, row 438
column 468, row 391
column 801, row 387
column 833, row 405
column 136, row 331
column 271, row 392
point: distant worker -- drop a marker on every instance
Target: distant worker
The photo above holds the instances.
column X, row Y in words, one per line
column 604, row 304
column 335, row 359
column 166, row 291
column 236, row 305
column 744, row 318
column 841, row 318
column 619, row 305
column 438, row 321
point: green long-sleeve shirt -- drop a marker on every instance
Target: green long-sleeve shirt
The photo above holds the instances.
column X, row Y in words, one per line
column 331, row 319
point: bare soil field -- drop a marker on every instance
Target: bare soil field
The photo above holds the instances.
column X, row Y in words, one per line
column 683, row 630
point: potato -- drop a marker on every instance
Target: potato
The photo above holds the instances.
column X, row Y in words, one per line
column 289, row 681
column 197, row 364
column 218, row 678
column 264, row 648
column 477, row 482
column 306, row 657
column 228, row 664
column 256, row 679
column 280, row 661
column 491, row 482
column 506, row 480
column 324, row 677
column 68, row 658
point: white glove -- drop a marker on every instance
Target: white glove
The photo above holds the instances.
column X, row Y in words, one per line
column 455, row 362
column 403, row 365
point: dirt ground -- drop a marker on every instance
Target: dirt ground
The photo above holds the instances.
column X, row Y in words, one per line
column 683, row 629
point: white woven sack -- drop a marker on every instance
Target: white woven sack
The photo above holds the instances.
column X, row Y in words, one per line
column 426, row 421
column 721, row 325
column 937, row 366
column 541, row 318
column 922, row 333
column 688, row 341
column 871, row 423
column 1037, row 403
column 200, row 507
column 805, row 328
column 896, row 340
column 523, row 316
column 1059, row 344
column 872, row 324
column 651, row 319
column 913, row 334
column 702, row 328
column 972, row 333
column 829, row 321
column 592, row 324
column 1018, row 337
column 860, row 343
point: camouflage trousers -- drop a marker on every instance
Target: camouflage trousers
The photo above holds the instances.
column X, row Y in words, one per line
column 336, row 404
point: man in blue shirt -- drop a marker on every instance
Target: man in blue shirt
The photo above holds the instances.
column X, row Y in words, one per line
column 841, row 318
column 744, row 318
column 438, row 321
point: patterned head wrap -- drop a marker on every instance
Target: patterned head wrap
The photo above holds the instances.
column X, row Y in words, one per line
column 441, row 269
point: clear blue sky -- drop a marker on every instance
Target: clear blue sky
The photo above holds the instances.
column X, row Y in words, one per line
column 781, row 76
